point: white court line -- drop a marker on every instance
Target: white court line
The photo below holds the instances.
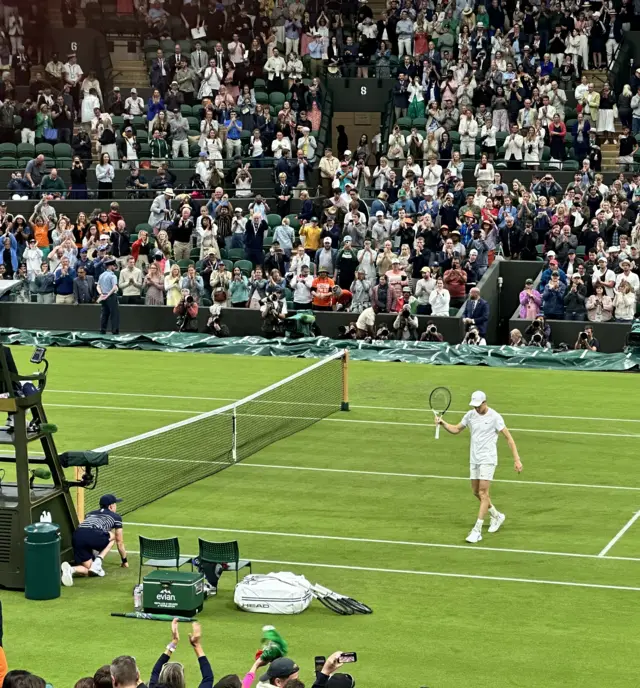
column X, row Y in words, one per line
column 345, row 420
column 385, row 474
column 436, row 574
column 620, row 533
column 355, row 406
column 406, row 543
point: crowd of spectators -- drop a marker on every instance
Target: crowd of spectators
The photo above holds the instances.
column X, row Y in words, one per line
column 396, row 232
column 124, row 672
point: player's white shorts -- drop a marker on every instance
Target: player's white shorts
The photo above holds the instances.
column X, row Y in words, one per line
column 482, row 471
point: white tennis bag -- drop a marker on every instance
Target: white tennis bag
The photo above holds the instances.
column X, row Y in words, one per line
column 274, row 593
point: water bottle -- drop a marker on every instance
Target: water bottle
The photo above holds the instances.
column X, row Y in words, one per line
column 137, row 597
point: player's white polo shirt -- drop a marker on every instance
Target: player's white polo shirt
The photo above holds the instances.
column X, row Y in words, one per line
column 484, row 429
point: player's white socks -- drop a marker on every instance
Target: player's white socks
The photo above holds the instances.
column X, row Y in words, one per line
column 478, row 525
column 493, row 511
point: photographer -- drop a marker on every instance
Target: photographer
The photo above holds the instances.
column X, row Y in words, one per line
column 538, row 333
column 347, row 331
column 431, row 333
column 187, row 311
column 473, row 338
column 586, row 340
column 273, row 311
column 406, row 325
column 215, row 326
column 575, row 299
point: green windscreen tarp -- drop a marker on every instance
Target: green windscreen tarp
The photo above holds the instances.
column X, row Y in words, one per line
column 317, row 347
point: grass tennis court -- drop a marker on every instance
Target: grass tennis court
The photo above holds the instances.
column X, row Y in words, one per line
column 369, row 504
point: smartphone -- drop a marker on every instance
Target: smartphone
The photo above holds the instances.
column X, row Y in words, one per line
column 38, row 355
column 347, row 657
column 319, row 662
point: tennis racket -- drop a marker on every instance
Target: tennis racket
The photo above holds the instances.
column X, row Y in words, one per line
column 439, row 400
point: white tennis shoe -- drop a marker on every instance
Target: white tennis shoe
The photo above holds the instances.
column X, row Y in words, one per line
column 496, row 522
column 66, row 574
column 96, row 567
column 474, row 536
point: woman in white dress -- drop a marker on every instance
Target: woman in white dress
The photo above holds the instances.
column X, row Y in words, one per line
column 89, row 103
column 210, row 81
column 533, row 145
column 573, row 47
column 208, row 124
column 213, row 148
column 172, row 282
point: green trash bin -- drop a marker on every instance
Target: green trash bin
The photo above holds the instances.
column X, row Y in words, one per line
column 42, row 561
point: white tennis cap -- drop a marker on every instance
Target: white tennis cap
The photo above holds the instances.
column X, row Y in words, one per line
column 478, row 398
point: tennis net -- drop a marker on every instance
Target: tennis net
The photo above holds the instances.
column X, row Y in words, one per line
column 151, row 465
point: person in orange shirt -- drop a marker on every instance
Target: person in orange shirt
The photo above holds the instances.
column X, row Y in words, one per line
column 310, row 234
column 322, row 291
column 40, row 229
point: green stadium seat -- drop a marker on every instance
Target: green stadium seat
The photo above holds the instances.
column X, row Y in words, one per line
column 142, row 135
column 64, row 163
column 195, row 255
column 150, row 44
column 167, row 46
column 246, row 266
column 540, row 248
column 274, row 220
column 571, row 165
column 259, row 85
column 228, row 264
column 185, row 263
column 194, row 123
column 63, row 150
column 143, row 227
column 45, row 149
column 8, row 150
column 234, row 254
column 262, row 97
column 26, row 150
column 455, row 136
column 180, row 163
column 419, row 122
column 8, row 163
column 404, row 122
column 118, row 121
column 276, row 99
column 185, row 44
column 145, row 151
column 133, row 237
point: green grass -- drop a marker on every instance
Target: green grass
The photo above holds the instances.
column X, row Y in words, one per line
column 391, row 482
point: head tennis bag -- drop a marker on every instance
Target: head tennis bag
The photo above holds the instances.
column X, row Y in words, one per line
column 275, row 593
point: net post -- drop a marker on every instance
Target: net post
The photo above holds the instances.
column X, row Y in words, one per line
column 79, row 495
column 234, row 436
column 344, row 406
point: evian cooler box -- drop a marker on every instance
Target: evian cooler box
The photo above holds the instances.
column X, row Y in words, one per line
column 173, row 592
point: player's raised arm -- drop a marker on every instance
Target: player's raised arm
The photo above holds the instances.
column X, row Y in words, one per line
column 517, row 464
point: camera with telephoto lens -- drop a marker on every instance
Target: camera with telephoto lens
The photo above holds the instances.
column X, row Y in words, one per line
column 584, row 336
column 432, row 329
column 188, row 300
column 382, row 333
column 347, row 331
column 536, row 339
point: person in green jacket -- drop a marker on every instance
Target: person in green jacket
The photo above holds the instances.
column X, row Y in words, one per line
column 53, row 184
column 43, row 121
column 239, row 289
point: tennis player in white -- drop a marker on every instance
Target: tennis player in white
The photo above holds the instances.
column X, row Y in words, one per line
column 485, row 425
